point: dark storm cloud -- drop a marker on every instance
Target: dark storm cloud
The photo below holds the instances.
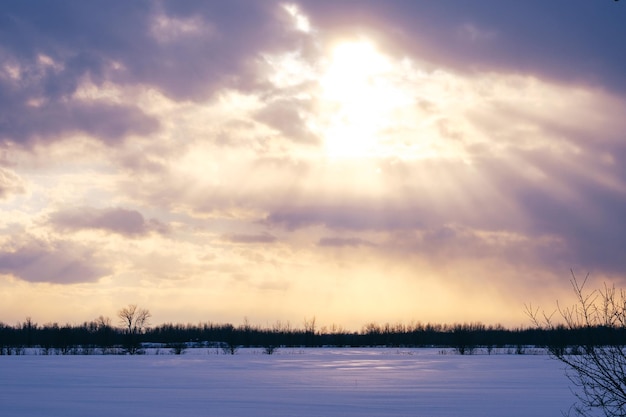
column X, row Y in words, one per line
column 577, row 40
column 52, row 262
column 124, row 222
column 184, row 49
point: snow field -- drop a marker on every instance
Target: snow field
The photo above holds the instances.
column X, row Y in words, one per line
column 292, row 382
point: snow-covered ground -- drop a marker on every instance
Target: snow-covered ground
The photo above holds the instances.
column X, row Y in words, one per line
column 292, row 382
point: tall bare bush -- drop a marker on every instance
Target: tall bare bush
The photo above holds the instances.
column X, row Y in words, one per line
column 590, row 338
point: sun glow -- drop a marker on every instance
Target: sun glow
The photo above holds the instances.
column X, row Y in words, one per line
column 360, row 95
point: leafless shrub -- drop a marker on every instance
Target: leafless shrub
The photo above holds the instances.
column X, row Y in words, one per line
column 593, row 346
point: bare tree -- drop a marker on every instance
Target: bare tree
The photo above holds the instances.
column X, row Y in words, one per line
column 590, row 340
column 309, row 325
column 102, row 321
column 134, row 322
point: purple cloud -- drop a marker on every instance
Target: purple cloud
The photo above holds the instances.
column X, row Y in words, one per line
column 109, row 123
column 573, row 43
column 286, row 116
column 54, row 262
column 251, row 238
column 46, row 62
column 337, row 242
column 121, row 221
column 346, row 216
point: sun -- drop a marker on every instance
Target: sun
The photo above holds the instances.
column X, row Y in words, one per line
column 359, row 97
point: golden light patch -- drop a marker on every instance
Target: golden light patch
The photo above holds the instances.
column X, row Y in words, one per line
column 359, row 96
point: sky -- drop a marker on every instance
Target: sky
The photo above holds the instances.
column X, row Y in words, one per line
column 348, row 161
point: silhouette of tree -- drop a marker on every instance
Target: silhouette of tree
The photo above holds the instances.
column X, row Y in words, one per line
column 134, row 321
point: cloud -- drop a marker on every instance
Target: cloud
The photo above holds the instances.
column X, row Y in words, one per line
column 185, row 51
column 129, row 223
column 250, row 238
column 337, row 242
column 480, row 148
column 484, row 155
column 56, row 262
column 586, row 214
column 573, row 43
column 10, row 183
column 342, row 216
column 106, row 122
column 286, row 116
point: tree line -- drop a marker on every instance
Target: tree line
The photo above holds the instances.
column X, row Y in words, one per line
column 588, row 337
column 133, row 332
